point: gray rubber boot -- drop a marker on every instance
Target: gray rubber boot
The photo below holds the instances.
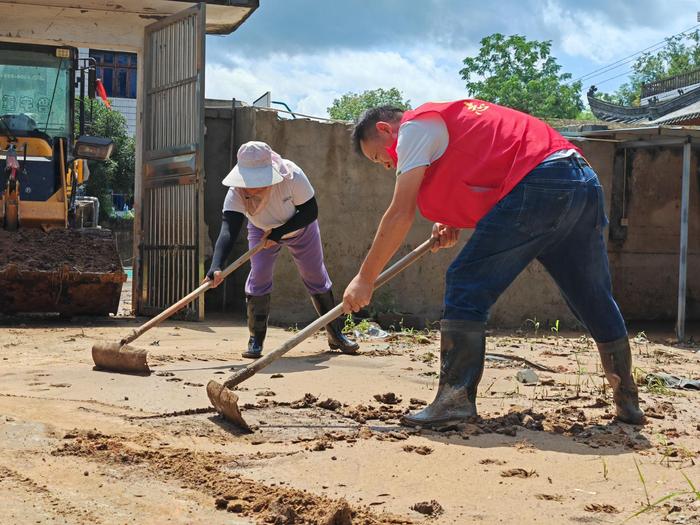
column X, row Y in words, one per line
column 323, row 303
column 617, row 364
column 462, row 352
column 258, row 313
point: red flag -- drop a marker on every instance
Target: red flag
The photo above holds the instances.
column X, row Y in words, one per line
column 100, row 88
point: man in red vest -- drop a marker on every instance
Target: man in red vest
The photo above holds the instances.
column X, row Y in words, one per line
column 529, row 194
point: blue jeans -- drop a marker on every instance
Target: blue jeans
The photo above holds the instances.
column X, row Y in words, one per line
column 556, row 215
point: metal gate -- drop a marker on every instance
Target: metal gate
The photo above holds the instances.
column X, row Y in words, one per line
column 171, row 253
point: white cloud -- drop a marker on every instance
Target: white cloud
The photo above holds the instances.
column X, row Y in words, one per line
column 597, row 36
column 310, row 82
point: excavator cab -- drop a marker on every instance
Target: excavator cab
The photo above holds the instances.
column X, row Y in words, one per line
column 49, row 260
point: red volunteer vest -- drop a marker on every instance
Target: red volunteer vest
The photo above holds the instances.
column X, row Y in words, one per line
column 491, row 149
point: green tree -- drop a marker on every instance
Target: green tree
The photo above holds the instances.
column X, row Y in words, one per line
column 681, row 54
column 116, row 174
column 522, row 74
column 351, row 105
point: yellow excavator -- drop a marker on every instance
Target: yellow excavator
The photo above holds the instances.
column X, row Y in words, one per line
column 54, row 258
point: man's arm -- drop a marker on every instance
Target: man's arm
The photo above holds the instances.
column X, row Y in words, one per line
column 392, row 231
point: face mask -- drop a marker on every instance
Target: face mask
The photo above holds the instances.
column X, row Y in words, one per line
column 391, row 150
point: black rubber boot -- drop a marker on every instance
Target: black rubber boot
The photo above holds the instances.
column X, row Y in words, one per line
column 258, row 312
column 323, row 303
column 462, row 353
column 617, row 364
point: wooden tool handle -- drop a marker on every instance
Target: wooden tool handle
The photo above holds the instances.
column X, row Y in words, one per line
column 192, row 295
column 250, row 370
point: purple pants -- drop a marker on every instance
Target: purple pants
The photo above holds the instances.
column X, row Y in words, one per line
column 306, row 251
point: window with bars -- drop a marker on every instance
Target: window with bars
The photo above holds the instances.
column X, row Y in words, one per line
column 117, row 72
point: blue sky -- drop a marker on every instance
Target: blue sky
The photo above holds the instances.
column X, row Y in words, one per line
column 308, row 52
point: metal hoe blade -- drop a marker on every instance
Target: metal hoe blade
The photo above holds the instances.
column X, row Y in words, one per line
column 226, row 403
column 117, row 357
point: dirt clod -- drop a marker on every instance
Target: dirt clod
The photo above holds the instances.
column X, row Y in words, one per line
column 281, row 513
column 601, row 507
column 429, row 508
column 422, row 450
column 518, row 473
column 549, row 497
column 388, row 399
column 321, row 446
column 340, row 514
column 330, row 404
column 489, row 461
column 305, row 402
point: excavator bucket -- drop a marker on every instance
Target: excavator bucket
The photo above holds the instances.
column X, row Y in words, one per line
column 70, row 272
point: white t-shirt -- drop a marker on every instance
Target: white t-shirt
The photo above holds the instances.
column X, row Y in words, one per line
column 424, row 139
column 281, row 206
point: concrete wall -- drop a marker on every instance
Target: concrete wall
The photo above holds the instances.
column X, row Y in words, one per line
column 645, row 264
column 352, row 195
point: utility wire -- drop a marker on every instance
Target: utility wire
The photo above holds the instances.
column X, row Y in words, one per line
column 629, row 58
column 616, row 76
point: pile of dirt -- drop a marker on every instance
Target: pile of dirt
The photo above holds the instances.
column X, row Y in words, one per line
column 359, row 413
column 207, row 472
column 363, row 413
column 593, row 430
column 77, row 250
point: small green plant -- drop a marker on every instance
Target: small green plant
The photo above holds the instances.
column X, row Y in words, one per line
column 639, row 375
column 579, row 373
column 655, row 385
column 605, row 469
column 555, row 328
column 673, row 454
column 428, row 357
column 642, row 339
column 651, row 505
column 641, row 478
column 351, row 326
column 536, row 325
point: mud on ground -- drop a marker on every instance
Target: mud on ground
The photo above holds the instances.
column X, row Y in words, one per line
column 81, row 446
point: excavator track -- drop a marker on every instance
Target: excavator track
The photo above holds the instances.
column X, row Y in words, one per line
column 64, row 271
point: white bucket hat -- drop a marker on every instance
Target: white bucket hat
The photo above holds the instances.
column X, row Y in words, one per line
column 258, row 166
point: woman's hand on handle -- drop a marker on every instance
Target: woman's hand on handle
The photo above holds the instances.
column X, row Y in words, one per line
column 216, row 279
column 269, row 243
